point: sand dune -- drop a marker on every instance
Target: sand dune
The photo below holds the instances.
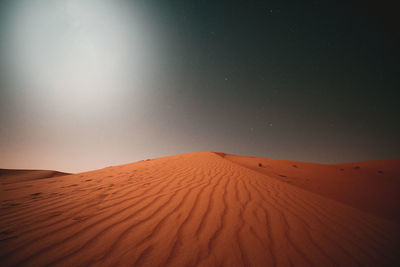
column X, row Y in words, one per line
column 370, row 186
column 10, row 176
column 191, row 209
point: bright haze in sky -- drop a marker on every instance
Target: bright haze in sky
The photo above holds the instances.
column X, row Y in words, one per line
column 68, row 67
column 86, row 84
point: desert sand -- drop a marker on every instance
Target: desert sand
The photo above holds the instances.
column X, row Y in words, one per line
column 371, row 186
column 10, row 176
column 205, row 209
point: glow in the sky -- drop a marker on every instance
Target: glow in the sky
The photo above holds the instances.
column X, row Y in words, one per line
column 80, row 51
column 74, row 73
column 86, row 84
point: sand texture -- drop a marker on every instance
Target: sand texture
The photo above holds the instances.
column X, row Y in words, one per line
column 9, row 176
column 205, row 209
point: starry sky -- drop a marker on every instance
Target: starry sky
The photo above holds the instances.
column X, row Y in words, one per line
column 89, row 84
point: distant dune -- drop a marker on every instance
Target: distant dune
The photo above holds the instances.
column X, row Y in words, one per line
column 9, row 176
column 206, row 209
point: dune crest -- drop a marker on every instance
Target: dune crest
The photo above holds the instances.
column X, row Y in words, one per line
column 185, row 210
column 10, row 176
column 371, row 186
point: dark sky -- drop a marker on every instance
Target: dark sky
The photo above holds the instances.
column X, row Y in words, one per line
column 303, row 80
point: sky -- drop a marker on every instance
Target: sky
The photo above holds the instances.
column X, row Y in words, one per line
column 86, row 84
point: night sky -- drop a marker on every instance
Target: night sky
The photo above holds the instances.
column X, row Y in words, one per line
column 89, row 84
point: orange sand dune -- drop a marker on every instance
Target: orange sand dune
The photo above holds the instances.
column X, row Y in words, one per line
column 371, row 186
column 186, row 210
column 9, row 176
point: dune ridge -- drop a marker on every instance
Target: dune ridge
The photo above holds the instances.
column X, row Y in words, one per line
column 371, row 186
column 195, row 209
column 10, row 176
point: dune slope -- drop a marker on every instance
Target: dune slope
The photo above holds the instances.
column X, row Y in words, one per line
column 185, row 210
column 10, row 176
column 371, row 186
